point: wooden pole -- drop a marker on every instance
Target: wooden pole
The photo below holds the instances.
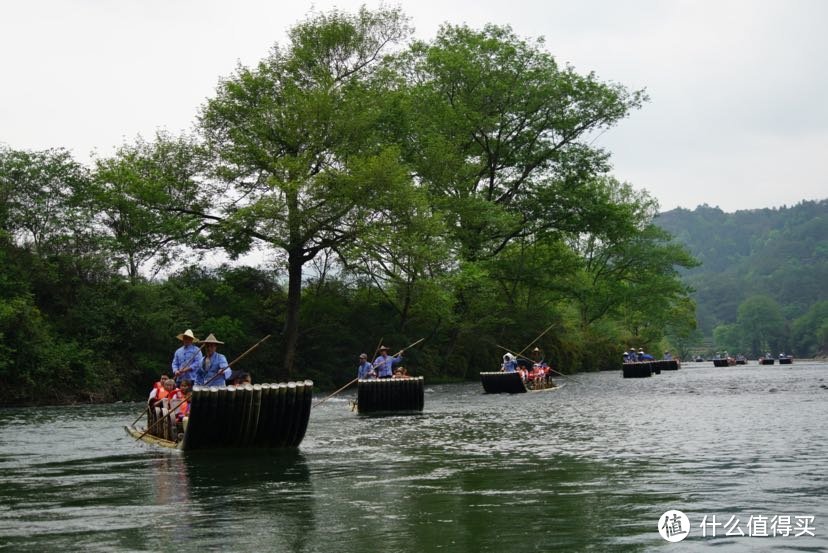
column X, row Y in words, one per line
column 536, row 339
column 237, row 359
column 336, row 392
column 379, row 344
column 373, row 365
column 523, row 356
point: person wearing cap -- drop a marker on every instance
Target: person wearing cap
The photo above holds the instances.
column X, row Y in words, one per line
column 365, row 369
column 213, row 364
column 384, row 363
column 187, row 358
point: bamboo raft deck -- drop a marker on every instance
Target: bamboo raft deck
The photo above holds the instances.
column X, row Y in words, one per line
column 498, row 382
column 391, row 395
column 240, row 417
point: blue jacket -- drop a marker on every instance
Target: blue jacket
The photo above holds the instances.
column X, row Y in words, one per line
column 365, row 370
column 186, row 356
column 385, row 364
column 207, row 371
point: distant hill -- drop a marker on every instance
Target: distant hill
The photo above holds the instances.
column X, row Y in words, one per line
column 781, row 253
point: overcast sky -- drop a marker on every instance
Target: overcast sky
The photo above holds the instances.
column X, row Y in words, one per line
column 738, row 115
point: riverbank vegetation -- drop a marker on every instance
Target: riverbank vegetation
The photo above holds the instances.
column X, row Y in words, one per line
column 393, row 189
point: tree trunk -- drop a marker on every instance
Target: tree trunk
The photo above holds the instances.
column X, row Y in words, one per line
column 292, row 315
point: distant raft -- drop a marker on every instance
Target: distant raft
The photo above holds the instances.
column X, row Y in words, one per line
column 243, row 417
column 786, row 360
column 501, row 382
column 645, row 369
column 391, row 395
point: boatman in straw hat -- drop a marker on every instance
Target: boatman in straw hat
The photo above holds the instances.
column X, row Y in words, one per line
column 384, row 363
column 187, row 358
column 213, row 364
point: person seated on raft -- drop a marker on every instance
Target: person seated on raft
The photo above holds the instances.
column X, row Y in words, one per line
column 157, row 389
column 180, row 405
column 400, row 372
column 159, row 402
column 166, row 390
column 509, row 363
column 668, row 356
column 239, row 378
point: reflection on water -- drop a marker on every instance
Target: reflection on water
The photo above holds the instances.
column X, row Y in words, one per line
column 589, row 467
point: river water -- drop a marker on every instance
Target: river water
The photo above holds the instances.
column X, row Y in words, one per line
column 588, row 467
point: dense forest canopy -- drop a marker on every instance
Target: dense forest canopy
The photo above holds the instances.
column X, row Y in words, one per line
column 444, row 189
column 761, row 282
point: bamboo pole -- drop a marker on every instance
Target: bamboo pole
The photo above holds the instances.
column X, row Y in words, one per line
column 523, row 356
column 237, row 359
column 536, row 339
column 379, row 344
column 374, row 365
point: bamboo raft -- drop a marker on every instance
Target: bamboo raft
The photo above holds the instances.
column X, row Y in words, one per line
column 766, row 360
column 390, row 395
column 245, row 417
column 644, row 369
column 787, row 360
column 511, row 383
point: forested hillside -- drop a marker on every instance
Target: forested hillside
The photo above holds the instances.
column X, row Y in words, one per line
column 762, row 284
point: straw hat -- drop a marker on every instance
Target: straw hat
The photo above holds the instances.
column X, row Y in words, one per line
column 188, row 334
column 211, row 340
column 383, row 348
column 363, row 356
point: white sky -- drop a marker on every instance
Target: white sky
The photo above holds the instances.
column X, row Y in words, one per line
column 738, row 116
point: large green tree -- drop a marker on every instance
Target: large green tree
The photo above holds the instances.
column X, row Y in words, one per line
column 500, row 135
column 296, row 148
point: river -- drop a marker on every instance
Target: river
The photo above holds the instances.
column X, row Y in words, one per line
column 591, row 466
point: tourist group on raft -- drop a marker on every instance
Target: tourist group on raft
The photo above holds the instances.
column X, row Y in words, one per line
column 631, row 356
column 382, row 367
column 534, row 372
column 170, row 396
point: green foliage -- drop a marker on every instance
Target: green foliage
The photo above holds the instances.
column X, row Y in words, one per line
column 447, row 190
column 778, row 254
